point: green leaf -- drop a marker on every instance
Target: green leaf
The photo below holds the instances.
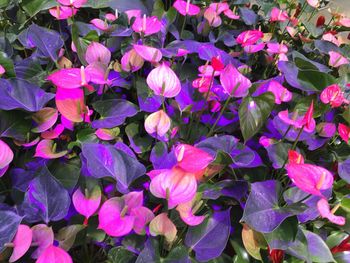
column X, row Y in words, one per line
column 7, row 63
column 315, row 80
column 14, row 124
column 304, row 64
column 143, row 143
column 66, row 236
column 32, row 7
column 345, row 204
column 120, row 255
column 285, row 233
column 158, row 9
column 97, row 4
column 68, row 174
column 253, row 112
column 79, row 43
column 346, row 115
column 242, row 255
column 335, row 239
column 303, row 104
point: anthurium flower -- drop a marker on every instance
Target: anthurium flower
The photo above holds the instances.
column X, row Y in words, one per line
column 344, row 132
column 27, row 143
column 97, row 52
column 202, row 84
column 87, row 203
column 75, row 3
column 101, row 24
column 213, row 17
column 295, row 157
column 186, row 8
column 150, row 54
column 157, row 123
column 147, row 25
column 280, row 92
column 162, row 225
column 313, row 3
column 63, row 12
column 278, row 15
column 217, row 64
column 276, row 48
column 107, row 134
column 187, row 211
column 234, row 83
column 254, row 48
column 331, row 38
column 70, row 78
column 333, row 95
column 47, row 149
column 310, row 178
column 208, row 70
column 44, row 119
column 143, row 216
column 336, row 59
column 6, row 157
column 163, row 81
column 53, row 254
column 326, row 129
column 43, row 237
column 175, row 185
column 70, row 103
column 2, row 70
column 133, row 13
column 53, row 133
column 21, row 242
column 131, row 61
column 98, row 73
column 325, row 212
column 249, row 37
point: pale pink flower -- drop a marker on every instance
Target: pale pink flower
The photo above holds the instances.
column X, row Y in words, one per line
column 276, row 48
column 44, row 119
column 325, row 212
column 162, row 225
column 313, row 3
column 150, row 54
column 21, row 242
column 157, row 123
column 234, row 83
column 105, row 134
column 43, row 237
column 97, row 52
column 47, row 149
column 131, row 61
column 331, row 38
column 62, row 12
column 281, row 93
column 187, row 210
column 53, row 133
column 336, row 59
column 101, row 24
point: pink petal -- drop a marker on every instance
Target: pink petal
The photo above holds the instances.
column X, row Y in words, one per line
column 212, row 17
column 143, row 216
column 185, row 8
column 285, row 117
column 186, row 213
column 157, row 123
column 249, row 37
column 87, row 205
column 133, row 13
column 219, row 7
column 69, row 125
column 2, row 70
column 105, row 134
column 54, row 133
column 254, row 48
column 6, row 155
column 28, row 144
column 44, row 119
column 43, row 237
column 62, row 12
column 325, row 212
column 97, row 72
column 192, row 159
column 21, row 242
column 54, row 254
column 69, row 78
column 313, row 3
column 162, row 225
column 276, row 48
column 234, row 83
column 278, row 15
column 326, row 129
column 336, row 59
column 147, row 25
column 97, row 52
column 280, row 92
column 75, row 3
column 344, row 132
column 70, row 103
column 100, row 24
column 230, row 14
column 333, row 95
column 45, row 150
column 131, row 61
column 150, row 54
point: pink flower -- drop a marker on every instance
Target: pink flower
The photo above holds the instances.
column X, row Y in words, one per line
column 254, row 48
column 280, row 92
column 47, row 149
column 75, row 3
column 331, row 38
column 217, row 64
column 2, row 70
column 21, row 242
column 278, row 15
column 344, row 21
column 6, row 157
column 131, row 61
column 70, row 78
column 88, row 203
column 326, row 129
column 53, row 254
column 70, row 103
column 106, row 134
column 53, row 133
column 162, row 225
column 212, row 17
column 344, row 132
column 62, row 12
column 219, row 7
column 97, row 52
column 207, row 71
column 187, row 210
column 276, row 48
column 175, row 185
column 101, row 24
column 186, row 8
column 325, row 212
column 150, row 54
column 43, row 237
column 202, row 84
column 333, row 95
column 133, row 13
column 336, row 59
column 266, row 142
column 234, row 83
column 147, row 25
column 97, row 73
column 313, row 3
column 249, row 37
column 157, row 123
column 163, row 81
column 44, row 119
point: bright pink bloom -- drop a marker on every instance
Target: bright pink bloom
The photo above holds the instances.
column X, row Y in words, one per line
column 28, row 144
column 276, row 48
column 43, row 237
column 295, row 158
column 333, row 95
column 326, row 129
column 281, row 93
column 97, row 73
column 219, row 7
column 131, row 61
column 133, row 13
column 310, row 178
column 249, row 37
column 207, row 71
column 192, row 159
column 6, row 157
column 186, row 8
column 53, row 254
column 147, row 25
column 325, row 212
column 112, row 17
column 202, row 84
column 47, row 149
column 53, row 133
column 44, row 119
column 187, row 210
column 175, row 185
column 97, row 52
column 234, row 83
column 212, row 17
column 308, row 120
column 336, row 59
column 2, row 70
column 69, row 125
column 75, row 3
column 231, row 14
column 217, row 64
column 157, row 123
column 21, row 242
column 344, row 132
column 266, row 142
column 70, row 103
column 313, row 3
column 101, row 24
column 163, row 81
column 150, row 54
column 70, row 78
column 88, row 203
column 162, row 225
column 278, row 15
column 62, row 12
column 254, row 48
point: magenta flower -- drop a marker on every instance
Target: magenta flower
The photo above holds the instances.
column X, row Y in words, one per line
column 276, row 48
column 6, row 157
column 212, row 17
column 147, row 25
column 133, row 13
column 131, row 61
column 53, row 254
column 295, row 158
column 325, row 212
column 53, row 133
column 344, row 132
column 280, row 92
column 326, row 129
column 336, row 59
column 101, row 24
column 254, row 48
column 21, row 242
column 97, row 52
column 187, row 211
column 98, row 73
column 150, row 54
column 63, row 12
column 2, row 70
column 333, row 95
column 207, row 71
column 70, row 103
column 47, row 149
column 162, row 225
column 278, row 15
column 163, row 81
column 43, row 237
column 186, row 8
column 88, row 203
column 158, row 123
column 71, row 78
column 75, row 3
column 249, row 37
column 234, row 83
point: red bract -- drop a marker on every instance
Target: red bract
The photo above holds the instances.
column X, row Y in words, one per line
column 344, row 132
column 217, row 64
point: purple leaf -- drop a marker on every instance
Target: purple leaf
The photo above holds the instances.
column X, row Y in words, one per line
column 148, row 102
column 248, row 15
column 46, row 199
column 212, row 145
column 344, row 170
column 9, row 222
column 234, row 189
column 186, row 98
column 209, row 239
column 21, row 94
column 160, row 157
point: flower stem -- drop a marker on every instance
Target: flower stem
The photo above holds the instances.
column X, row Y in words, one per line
column 218, row 118
column 183, row 26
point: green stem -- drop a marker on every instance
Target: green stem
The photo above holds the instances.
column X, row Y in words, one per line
column 183, row 26
column 218, row 118
column 285, row 134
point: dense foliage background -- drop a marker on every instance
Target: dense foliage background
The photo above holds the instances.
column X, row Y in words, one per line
column 174, row 131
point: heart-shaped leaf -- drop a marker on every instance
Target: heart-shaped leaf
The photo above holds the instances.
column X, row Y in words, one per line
column 9, row 222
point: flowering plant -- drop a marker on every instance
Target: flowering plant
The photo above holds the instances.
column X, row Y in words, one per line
column 174, row 131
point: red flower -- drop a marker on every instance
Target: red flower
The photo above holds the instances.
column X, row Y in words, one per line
column 342, row 247
column 276, row 255
column 217, row 64
column 320, row 21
